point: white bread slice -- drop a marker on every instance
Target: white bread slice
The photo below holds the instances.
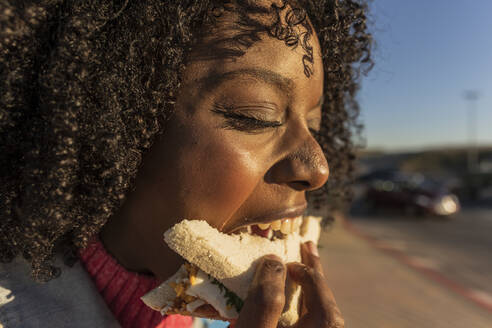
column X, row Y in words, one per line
column 164, row 294
column 232, row 259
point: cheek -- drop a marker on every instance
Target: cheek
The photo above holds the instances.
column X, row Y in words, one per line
column 222, row 174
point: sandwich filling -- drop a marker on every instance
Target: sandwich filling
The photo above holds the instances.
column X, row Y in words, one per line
column 194, row 288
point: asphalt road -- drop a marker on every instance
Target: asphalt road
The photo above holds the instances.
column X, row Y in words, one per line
column 459, row 247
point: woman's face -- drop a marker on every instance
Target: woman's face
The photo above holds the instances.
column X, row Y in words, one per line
column 218, row 163
column 239, row 149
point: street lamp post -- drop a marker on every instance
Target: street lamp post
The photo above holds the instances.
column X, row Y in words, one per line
column 472, row 155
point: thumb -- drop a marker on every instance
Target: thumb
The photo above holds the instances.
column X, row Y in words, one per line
column 266, row 297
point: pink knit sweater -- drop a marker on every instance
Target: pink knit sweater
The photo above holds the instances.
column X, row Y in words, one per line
column 122, row 290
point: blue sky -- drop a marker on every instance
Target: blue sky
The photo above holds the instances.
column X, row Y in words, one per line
column 428, row 52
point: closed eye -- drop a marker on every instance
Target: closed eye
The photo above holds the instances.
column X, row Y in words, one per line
column 247, row 123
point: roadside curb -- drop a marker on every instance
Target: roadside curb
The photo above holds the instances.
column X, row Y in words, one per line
column 430, row 273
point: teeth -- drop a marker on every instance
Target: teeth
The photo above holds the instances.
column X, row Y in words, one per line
column 286, row 226
column 276, row 225
column 296, row 223
column 264, row 226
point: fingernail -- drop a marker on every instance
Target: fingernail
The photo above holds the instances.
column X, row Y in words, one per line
column 296, row 270
column 313, row 249
column 270, row 268
column 272, row 265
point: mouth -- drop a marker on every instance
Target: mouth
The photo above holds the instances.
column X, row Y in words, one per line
column 277, row 225
column 278, row 229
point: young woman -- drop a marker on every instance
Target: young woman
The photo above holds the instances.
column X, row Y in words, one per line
column 120, row 118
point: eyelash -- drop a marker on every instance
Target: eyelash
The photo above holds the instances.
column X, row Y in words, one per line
column 251, row 124
column 246, row 123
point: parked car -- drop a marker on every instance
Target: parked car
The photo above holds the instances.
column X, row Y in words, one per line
column 409, row 192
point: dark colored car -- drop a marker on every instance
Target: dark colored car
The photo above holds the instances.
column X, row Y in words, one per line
column 410, row 193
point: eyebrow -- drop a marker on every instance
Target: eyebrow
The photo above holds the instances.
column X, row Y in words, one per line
column 285, row 84
column 214, row 80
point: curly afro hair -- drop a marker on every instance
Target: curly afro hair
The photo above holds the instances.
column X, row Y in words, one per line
column 85, row 88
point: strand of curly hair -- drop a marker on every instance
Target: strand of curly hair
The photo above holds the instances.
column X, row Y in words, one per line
column 85, row 88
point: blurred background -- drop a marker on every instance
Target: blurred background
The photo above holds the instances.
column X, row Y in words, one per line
column 414, row 249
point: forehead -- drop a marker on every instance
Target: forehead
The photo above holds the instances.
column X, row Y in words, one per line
column 282, row 44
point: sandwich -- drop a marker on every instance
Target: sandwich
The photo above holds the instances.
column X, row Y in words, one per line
column 220, row 267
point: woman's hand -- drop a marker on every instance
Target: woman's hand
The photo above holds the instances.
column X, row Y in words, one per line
column 264, row 304
column 319, row 306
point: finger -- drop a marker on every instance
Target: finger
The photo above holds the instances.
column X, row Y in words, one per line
column 318, row 299
column 312, row 321
column 319, row 304
column 317, row 295
column 310, row 256
column 265, row 301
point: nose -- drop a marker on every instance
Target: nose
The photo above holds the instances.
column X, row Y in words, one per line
column 303, row 169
